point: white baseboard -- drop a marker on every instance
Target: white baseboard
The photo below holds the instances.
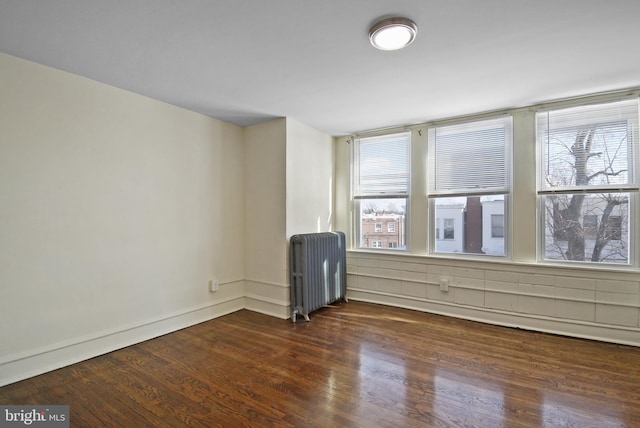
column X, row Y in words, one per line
column 267, row 298
column 267, row 306
column 18, row 367
column 584, row 330
column 14, row 368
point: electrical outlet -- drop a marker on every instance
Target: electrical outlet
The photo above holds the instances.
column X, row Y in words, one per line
column 444, row 285
column 214, row 285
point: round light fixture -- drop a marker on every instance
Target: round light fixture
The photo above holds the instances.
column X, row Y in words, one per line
column 393, row 33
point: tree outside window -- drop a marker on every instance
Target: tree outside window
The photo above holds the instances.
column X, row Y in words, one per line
column 586, row 180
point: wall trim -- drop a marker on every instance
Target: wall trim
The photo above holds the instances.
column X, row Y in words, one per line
column 260, row 281
column 19, row 366
column 574, row 328
column 16, row 367
column 267, row 306
column 497, row 263
column 496, row 290
column 260, row 298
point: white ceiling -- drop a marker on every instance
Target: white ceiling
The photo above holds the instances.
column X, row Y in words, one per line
column 247, row 61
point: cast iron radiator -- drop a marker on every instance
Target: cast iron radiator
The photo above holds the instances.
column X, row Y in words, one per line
column 318, row 271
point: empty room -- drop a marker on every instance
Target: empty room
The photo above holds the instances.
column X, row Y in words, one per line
column 327, row 214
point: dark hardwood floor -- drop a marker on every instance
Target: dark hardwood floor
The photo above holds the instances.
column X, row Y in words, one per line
column 356, row 365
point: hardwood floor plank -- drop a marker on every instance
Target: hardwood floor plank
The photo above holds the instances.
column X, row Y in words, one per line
column 357, row 365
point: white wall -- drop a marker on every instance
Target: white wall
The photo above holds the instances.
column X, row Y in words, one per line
column 115, row 212
column 288, row 190
column 265, row 218
column 309, row 179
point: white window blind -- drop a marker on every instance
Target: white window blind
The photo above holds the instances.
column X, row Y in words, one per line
column 470, row 158
column 588, row 148
column 382, row 166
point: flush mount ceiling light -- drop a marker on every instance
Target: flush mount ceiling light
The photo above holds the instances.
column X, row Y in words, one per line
column 393, row 33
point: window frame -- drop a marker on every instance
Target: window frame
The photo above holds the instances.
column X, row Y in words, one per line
column 493, row 226
column 590, row 227
column 504, row 191
column 448, row 225
column 359, row 197
column 544, row 192
column 522, row 207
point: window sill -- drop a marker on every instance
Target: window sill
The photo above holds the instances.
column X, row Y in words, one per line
column 497, row 260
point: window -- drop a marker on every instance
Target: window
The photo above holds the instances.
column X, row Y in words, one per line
column 613, row 230
column 587, row 181
column 590, row 225
column 449, row 228
column 381, row 188
column 497, row 225
column 469, row 169
column 582, row 209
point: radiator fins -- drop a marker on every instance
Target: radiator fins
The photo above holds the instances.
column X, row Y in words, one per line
column 318, row 271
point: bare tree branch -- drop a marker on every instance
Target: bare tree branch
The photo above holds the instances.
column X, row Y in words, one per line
column 609, row 174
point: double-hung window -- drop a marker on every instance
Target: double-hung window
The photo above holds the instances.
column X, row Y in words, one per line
column 381, row 190
column 588, row 181
column 469, row 169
